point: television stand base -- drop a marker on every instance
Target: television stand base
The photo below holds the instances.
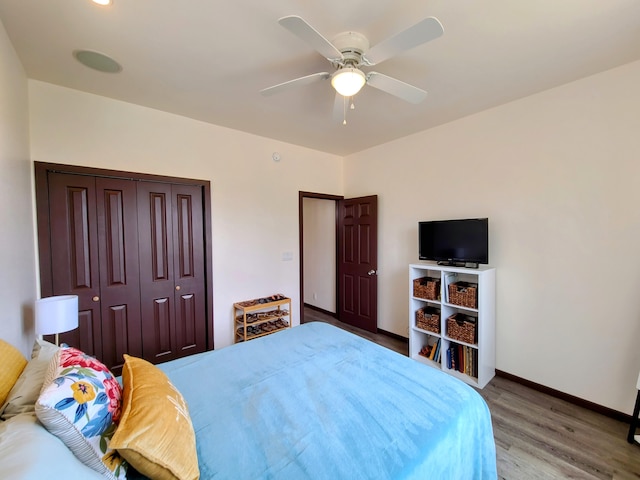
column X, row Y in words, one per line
column 459, row 264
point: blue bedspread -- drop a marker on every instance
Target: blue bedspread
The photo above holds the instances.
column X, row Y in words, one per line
column 317, row 402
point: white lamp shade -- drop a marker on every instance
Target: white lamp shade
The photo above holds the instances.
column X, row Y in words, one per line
column 56, row 314
column 348, row 81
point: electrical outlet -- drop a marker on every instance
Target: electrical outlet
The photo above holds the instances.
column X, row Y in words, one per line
column 287, row 256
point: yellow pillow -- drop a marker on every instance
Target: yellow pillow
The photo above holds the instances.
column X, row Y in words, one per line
column 155, row 434
column 12, row 362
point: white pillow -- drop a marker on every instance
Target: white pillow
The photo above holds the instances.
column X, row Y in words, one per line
column 28, row 451
column 22, row 397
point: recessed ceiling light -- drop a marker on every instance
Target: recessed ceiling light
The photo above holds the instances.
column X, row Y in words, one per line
column 97, row 61
column 102, row 2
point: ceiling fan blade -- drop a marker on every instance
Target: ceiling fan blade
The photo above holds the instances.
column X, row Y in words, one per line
column 296, row 82
column 306, row 32
column 422, row 32
column 396, row 87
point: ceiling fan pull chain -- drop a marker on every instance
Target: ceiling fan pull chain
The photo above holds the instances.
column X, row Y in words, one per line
column 344, row 110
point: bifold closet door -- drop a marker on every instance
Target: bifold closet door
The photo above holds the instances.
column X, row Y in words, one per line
column 172, row 273
column 119, row 270
column 94, row 245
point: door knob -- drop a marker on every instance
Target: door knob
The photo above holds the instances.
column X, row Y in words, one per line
column 96, row 298
column 371, row 272
column 177, row 287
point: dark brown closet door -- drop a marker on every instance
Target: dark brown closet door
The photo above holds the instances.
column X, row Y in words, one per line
column 188, row 261
column 74, row 255
column 119, row 270
column 94, row 245
column 172, row 270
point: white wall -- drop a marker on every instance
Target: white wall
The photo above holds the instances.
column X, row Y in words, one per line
column 557, row 174
column 17, row 261
column 254, row 199
column 319, row 244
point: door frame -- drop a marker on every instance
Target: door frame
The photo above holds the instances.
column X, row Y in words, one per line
column 42, row 170
column 320, row 196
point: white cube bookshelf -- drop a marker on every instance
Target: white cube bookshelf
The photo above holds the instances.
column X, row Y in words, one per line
column 476, row 359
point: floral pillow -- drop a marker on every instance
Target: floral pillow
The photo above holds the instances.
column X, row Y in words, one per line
column 80, row 403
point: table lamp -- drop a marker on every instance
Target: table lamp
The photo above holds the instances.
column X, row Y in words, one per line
column 55, row 315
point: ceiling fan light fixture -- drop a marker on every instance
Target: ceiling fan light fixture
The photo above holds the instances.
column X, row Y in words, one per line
column 348, row 81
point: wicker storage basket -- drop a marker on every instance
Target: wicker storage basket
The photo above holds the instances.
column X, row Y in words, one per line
column 426, row 287
column 463, row 328
column 464, row 294
column 428, row 318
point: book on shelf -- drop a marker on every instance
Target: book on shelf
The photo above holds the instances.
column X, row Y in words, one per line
column 454, row 355
column 467, row 362
column 463, row 359
column 435, row 350
column 449, row 278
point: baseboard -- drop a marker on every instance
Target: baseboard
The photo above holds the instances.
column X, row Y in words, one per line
column 608, row 412
column 393, row 335
column 321, row 310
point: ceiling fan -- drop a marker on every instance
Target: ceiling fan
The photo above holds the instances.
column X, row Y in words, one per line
column 350, row 51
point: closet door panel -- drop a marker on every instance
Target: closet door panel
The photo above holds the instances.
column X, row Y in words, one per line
column 74, row 247
column 162, row 328
column 117, row 217
column 188, row 234
column 156, row 271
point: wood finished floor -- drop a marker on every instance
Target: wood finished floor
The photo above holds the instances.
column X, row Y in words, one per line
column 539, row 436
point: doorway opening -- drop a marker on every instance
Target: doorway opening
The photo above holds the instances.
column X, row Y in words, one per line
column 318, row 250
column 351, row 257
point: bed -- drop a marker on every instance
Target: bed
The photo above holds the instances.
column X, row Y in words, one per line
column 317, row 402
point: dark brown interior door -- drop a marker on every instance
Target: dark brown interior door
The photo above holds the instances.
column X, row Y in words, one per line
column 119, row 271
column 94, row 239
column 136, row 249
column 358, row 262
column 188, row 260
column 172, row 270
column 74, row 263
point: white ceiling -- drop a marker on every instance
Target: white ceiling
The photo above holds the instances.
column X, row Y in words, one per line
column 208, row 59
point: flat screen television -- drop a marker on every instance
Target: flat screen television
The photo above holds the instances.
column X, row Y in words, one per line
column 454, row 242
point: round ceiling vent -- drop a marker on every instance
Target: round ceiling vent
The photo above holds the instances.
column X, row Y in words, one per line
column 97, row 61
